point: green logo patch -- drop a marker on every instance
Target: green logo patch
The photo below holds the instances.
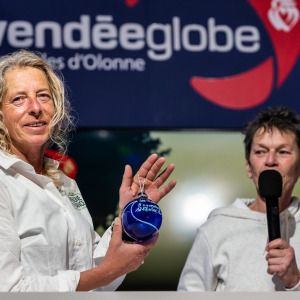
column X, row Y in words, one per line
column 77, row 201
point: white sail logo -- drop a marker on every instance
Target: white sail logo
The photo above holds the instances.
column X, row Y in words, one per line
column 283, row 14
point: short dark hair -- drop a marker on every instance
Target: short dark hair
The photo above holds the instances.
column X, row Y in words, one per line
column 282, row 118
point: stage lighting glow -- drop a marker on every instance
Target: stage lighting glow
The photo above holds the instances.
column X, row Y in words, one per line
column 196, row 209
column 192, row 205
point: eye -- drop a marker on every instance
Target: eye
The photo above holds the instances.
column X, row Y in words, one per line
column 18, row 100
column 258, row 152
column 284, row 152
column 44, row 97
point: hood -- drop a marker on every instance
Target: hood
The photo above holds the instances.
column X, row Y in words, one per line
column 239, row 209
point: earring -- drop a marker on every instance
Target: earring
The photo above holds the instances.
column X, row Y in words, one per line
column 249, row 175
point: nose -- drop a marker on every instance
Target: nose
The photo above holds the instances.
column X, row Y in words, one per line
column 34, row 108
column 271, row 159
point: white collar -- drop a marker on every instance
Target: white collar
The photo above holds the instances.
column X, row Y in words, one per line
column 7, row 161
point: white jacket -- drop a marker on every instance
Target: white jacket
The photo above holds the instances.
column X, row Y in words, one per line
column 228, row 253
column 46, row 235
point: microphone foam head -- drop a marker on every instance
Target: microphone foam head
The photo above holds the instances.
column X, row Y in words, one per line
column 270, row 184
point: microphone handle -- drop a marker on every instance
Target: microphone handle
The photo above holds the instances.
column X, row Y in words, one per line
column 273, row 218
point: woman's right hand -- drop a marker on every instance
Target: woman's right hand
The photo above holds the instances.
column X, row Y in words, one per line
column 121, row 258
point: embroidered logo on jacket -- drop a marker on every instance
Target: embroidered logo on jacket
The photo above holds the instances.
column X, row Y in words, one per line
column 77, row 201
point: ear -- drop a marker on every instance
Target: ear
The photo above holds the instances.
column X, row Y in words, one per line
column 248, row 170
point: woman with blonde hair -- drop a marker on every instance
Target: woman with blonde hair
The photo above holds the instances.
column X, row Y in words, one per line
column 46, row 242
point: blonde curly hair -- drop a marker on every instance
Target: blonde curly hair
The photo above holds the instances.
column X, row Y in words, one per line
column 62, row 121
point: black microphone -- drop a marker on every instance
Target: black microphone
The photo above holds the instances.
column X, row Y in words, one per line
column 270, row 188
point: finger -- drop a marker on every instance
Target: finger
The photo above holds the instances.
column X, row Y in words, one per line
column 147, row 252
column 273, row 261
column 127, row 178
column 146, row 166
column 154, row 170
column 277, row 244
column 167, row 189
column 117, row 231
column 279, row 269
column 150, row 242
column 273, row 253
column 162, row 178
column 273, row 269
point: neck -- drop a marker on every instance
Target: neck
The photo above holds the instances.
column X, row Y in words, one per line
column 33, row 157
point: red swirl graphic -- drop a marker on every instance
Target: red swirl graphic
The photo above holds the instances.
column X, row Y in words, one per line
column 253, row 87
column 240, row 91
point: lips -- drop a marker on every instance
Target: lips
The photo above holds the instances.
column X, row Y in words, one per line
column 35, row 124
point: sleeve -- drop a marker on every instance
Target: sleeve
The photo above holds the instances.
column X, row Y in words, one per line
column 296, row 288
column 11, row 278
column 198, row 273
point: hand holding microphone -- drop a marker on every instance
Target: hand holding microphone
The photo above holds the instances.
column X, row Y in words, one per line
column 281, row 256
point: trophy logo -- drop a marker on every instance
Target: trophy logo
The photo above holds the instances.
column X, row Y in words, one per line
column 283, row 14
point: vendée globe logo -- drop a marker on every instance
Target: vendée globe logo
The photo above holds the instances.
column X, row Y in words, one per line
column 253, row 87
column 100, row 43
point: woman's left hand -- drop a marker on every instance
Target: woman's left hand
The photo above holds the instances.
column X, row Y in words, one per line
column 281, row 260
column 130, row 187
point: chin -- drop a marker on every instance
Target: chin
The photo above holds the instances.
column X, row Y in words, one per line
column 38, row 142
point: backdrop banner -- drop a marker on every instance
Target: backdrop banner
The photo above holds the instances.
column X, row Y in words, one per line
column 164, row 63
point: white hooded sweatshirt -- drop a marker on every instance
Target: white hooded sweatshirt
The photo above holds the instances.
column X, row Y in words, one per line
column 228, row 253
